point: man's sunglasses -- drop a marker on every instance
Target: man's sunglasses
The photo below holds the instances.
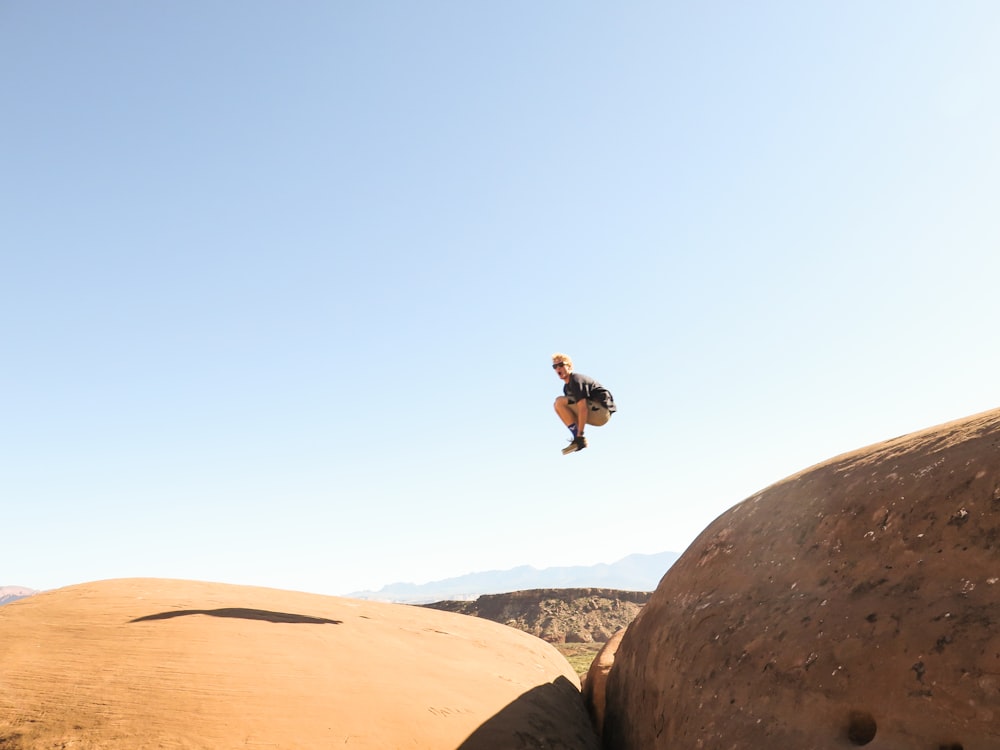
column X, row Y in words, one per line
column 557, row 365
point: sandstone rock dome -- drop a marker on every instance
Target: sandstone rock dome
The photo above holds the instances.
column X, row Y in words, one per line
column 855, row 603
column 147, row 663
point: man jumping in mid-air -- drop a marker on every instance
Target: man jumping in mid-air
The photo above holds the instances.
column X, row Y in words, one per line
column 584, row 401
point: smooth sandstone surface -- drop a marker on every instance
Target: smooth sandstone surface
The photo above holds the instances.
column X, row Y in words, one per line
column 856, row 603
column 149, row 663
column 596, row 682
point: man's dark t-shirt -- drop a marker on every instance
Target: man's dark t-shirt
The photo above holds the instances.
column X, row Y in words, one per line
column 584, row 387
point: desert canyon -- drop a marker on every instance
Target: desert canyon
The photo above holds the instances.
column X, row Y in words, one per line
column 852, row 604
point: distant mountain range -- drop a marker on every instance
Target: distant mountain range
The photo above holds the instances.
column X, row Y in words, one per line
column 10, row 594
column 633, row 573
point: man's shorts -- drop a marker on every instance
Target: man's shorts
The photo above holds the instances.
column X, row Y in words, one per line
column 597, row 413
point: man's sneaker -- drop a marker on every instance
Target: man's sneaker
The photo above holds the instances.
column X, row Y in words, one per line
column 577, row 444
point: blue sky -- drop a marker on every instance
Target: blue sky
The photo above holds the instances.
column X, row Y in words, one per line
column 280, row 282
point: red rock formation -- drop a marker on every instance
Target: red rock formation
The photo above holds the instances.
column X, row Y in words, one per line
column 183, row 664
column 596, row 683
column 856, row 603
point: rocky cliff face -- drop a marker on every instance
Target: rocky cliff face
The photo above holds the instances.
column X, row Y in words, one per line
column 855, row 603
column 557, row 615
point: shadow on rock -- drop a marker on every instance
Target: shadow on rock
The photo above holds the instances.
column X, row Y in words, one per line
column 242, row 614
column 550, row 716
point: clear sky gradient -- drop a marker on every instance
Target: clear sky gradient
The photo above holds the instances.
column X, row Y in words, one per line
column 280, row 282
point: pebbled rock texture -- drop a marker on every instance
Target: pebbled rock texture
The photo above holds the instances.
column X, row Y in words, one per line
column 856, row 603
